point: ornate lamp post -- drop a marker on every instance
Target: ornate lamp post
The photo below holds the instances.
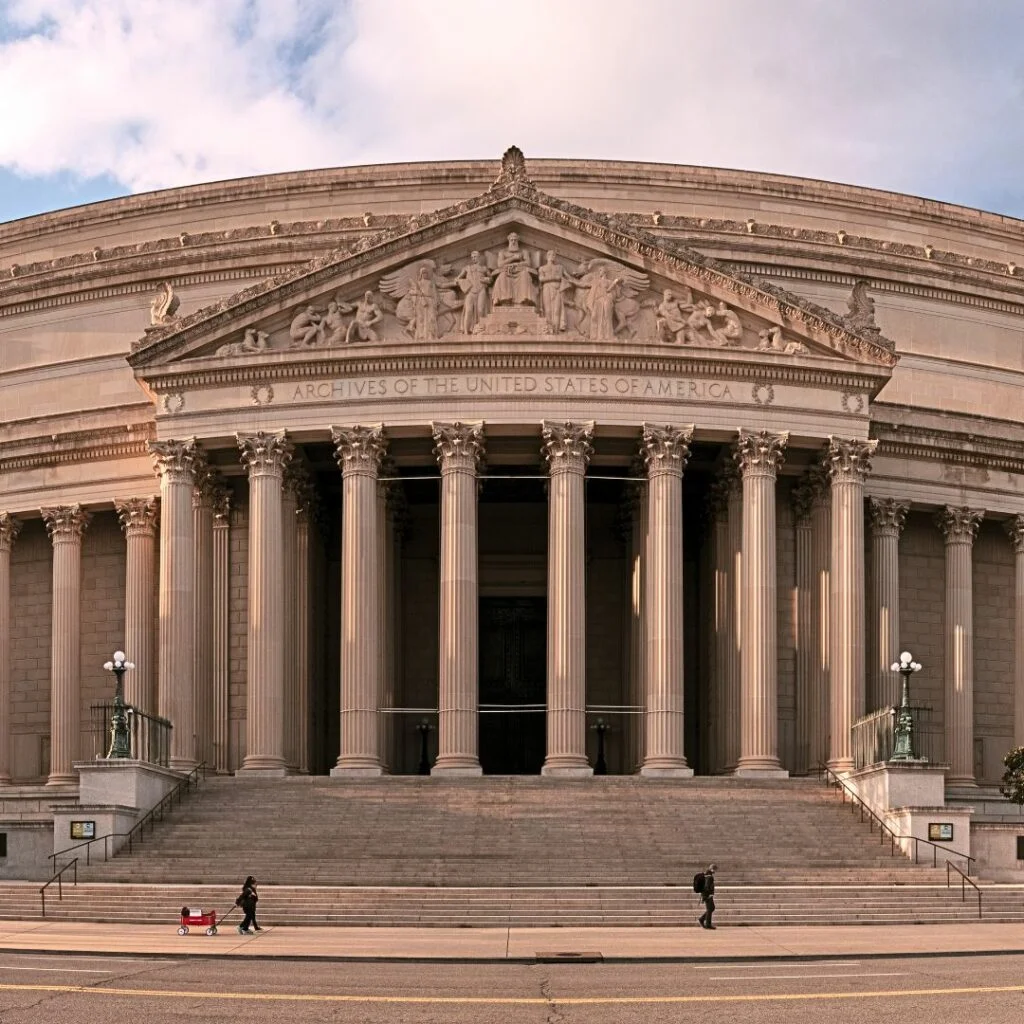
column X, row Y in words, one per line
column 120, row 743
column 903, row 750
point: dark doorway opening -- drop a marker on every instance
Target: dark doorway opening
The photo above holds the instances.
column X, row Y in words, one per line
column 513, row 669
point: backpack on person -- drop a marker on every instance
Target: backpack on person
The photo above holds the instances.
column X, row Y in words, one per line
column 698, row 882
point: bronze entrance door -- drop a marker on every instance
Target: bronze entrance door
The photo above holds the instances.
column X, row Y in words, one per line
column 513, row 667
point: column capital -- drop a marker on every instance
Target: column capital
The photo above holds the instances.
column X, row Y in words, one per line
column 10, row 527
column 297, row 480
column 458, row 446
column 359, row 450
column 802, row 499
column 221, row 506
column 665, row 449
column 567, row 446
column 138, row 516
column 848, row 459
column 718, row 499
column 65, row 522
column 1015, row 531
column 887, row 516
column 265, row 454
column 175, row 460
column 760, row 452
column 959, row 524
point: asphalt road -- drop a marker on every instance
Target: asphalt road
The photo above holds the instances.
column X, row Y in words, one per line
column 54, row 989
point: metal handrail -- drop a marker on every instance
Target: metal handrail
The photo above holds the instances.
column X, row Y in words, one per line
column 883, row 829
column 149, row 818
column 964, row 882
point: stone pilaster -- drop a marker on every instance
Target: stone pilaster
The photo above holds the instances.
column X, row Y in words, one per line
column 458, row 447
column 9, row 530
column 175, row 462
column 887, row 518
column 1015, row 530
column 734, row 620
column 802, row 498
column 821, row 688
column 847, row 463
column 139, row 518
column 665, row 450
column 959, row 527
column 294, row 481
column 567, row 449
column 203, row 498
column 65, row 525
column 265, row 456
column 759, row 455
column 221, row 634
column 359, row 451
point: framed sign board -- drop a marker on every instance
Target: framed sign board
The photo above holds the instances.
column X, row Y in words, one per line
column 940, row 832
column 83, row 830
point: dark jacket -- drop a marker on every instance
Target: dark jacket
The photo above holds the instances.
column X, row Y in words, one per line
column 248, row 898
column 709, row 886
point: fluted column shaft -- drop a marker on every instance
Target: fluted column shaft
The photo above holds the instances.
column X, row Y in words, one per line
column 265, row 456
column 847, row 462
column 175, row 462
column 303, row 612
column 819, row 694
column 960, row 527
column 458, row 450
column 887, row 518
column 221, row 635
column 65, row 525
column 138, row 518
column 805, row 625
column 720, row 559
column 759, row 455
column 567, row 448
column 202, row 514
column 1015, row 530
column 666, row 451
column 732, row 709
column 9, row 530
column 290, row 583
column 359, row 451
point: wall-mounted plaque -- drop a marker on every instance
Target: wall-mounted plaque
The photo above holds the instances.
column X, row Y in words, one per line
column 83, row 830
column 940, row 831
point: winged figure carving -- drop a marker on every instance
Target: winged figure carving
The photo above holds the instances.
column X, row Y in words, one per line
column 606, row 298
column 164, row 307
column 426, row 298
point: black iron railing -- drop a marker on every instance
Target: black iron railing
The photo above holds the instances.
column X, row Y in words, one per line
column 873, row 737
column 149, row 735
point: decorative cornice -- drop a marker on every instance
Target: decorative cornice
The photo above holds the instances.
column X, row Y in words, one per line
column 359, row 450
column 1015, row 531
column 848, row 460
column 887, row 516
column 760, row 452
column 959, row 524
column 665, row 449
column 458, row 446
column 175, row 461
column 958, row 447
column 65, row 522
column 138, row 516
column 76, row 446
column 567, row 446
column 265, row 454
column 10, row 527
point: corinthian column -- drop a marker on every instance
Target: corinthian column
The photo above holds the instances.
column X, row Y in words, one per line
column 805, row 625
column 718, row 516
column 359, row 451
column 458, row 447
column 821, row 684
column 295, row 481
column 265, row 457
column 175, row 462
column 759, row 455
column 203, row 499
column 1015, row 529
column 959, row 526
column 887, row 518
column 9, row 530
column 666, row 451
column 567, row 448
column 139, row 518
column 65, row 526
column 221, row 632
column 734, row 620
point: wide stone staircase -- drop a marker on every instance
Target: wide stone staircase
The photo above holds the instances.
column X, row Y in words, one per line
column 516, row 851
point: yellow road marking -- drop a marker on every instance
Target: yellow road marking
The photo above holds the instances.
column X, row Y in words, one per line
column 298, row 997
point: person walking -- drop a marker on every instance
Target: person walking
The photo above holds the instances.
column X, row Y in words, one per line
column 707, row 896
column 247, row 900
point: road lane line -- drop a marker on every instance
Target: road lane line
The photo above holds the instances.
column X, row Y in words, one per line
column 58, row 970
column 805, row 977
column 765, row 967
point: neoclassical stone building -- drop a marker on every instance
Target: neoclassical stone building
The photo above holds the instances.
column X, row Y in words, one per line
column 516, row 462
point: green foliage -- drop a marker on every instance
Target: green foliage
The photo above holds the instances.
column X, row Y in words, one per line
column 1012, row 786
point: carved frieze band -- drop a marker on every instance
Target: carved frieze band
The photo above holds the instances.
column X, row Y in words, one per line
column 760, row 452
column 138, row 516
column 665, row 449
column 265, row 454
column 959, row 524
column 359, row 450
column 458, row 445
column 10, row 527
column 888, row 516
column 65, row 522
column 567, row 446
column 848, row 460
column 1015, row 530
column 175, row 461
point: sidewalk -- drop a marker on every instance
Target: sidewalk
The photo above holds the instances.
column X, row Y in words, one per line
column 497, row 945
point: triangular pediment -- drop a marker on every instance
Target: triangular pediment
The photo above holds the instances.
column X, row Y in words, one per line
column 516, row 264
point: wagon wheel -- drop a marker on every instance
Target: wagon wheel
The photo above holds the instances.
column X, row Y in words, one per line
column 212, row 930
column 183, row 930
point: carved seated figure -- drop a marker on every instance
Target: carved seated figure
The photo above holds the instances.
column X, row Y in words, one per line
column 513, row 284
column 367, row 314
column 730, row 332
column 253, row 341
column 700, row 321
column 671, row 316
column 307, row 328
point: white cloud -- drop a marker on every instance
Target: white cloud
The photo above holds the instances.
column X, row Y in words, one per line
column 915, row 97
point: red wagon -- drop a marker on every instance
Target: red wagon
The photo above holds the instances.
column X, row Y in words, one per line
column 192, row 918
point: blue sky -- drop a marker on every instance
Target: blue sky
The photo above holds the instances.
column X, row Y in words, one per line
column 100, row 98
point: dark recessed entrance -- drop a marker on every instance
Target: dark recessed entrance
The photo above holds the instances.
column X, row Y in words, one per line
column 513, row 645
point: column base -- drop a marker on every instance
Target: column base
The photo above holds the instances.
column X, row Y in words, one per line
column 340, row 771
column 567, row 771
column 841, row 765
column 254, row 772
column 656, row 771
column 457, row 769
column 760, row 772
column 183, row 764
column 63, row 780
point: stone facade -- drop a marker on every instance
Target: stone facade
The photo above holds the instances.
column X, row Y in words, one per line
column 452, row 439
